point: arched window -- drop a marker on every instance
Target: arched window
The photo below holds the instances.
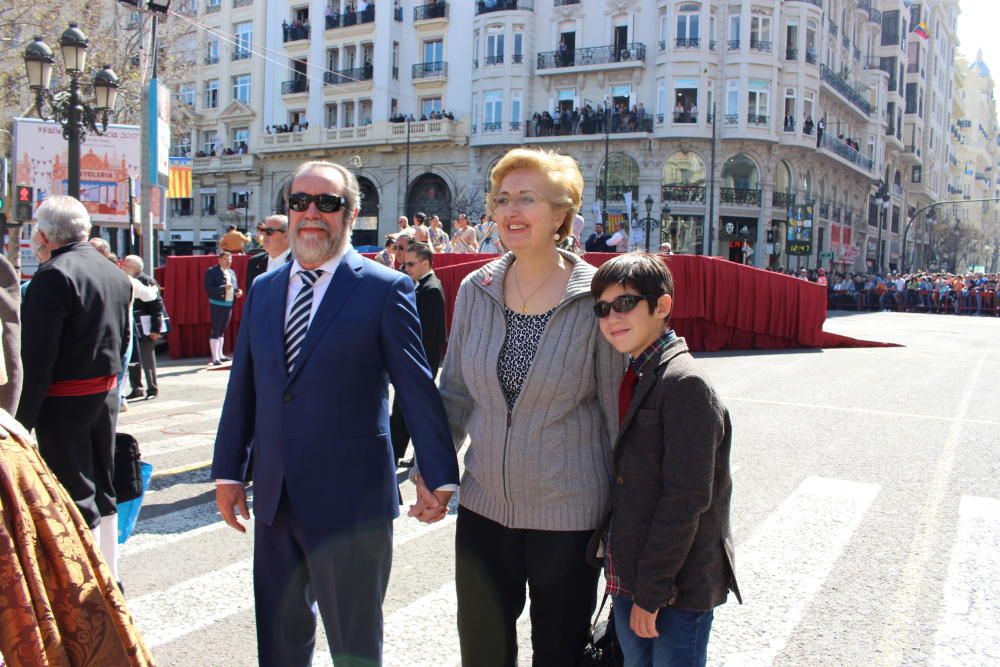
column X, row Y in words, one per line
column 740, row 172
column 622, row 177
column 807, row 184
column 684, row 178
column 783, row 178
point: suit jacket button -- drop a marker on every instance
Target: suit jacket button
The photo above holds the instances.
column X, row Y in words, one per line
column 620, row 480
column 672, row 601
column 287, row 398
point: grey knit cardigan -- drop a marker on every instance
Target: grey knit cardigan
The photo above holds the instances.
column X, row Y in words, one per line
column 547, row 464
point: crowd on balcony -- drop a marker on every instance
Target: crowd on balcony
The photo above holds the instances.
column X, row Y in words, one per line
column 685, row 113
column 363, row 13
column 434, row 115
column 293, row 31
column 591, row 121
column 286, row 127
column 965, row 294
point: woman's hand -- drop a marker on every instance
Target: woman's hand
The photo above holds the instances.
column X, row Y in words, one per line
column 643, row 623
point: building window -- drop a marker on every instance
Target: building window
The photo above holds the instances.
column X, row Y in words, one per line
column 734, row 31
column 208, row 141
column 760, row 32
column 661, row 99
column 330, row 115
column 808, row 105
column 212, row 94
column 915, row 176
column 518, row 45
column 515, row 110
column 434, row 51
column 732, row 101
column 212, row 52
column 429, row 105
column 241, row 139
column 208, row 204
column 492, row 110
column 241, row 88
column 180, row 145
column 181, row 207
column 244, row 40
column 788, row 124
column 685, row 101
column 494, row 48
column 758, row 102
column 688, row 26
column 911, row 98
column 185, row 94
column 395, row 60
column 890, row 27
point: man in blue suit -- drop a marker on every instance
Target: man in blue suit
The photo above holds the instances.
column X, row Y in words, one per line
column 320, row 340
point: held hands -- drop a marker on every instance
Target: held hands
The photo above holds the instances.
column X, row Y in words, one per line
column 229, row 498
column 430, row 506
column 643, row 623
column 13, row 428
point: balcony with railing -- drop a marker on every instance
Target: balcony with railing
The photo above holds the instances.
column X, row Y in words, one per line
column 685, row 116
column 211, row 60
column 596, row 55
column 240, row 53
column 351, row 18
column 617, row 192
column 430, row 12
column 494, row 60
column 241, row 3
column 689, row 43
column 564, row 3
column 839, row 148
column 740, row 196
column 874, row 15
column 346, row 76
column 848, row 91
column 811, row 56
column 490, row 6
column 731, row 119
column 782, row 200
column 791, row 54
column 734, row 45
column 756, row 120
column 818, row 3
column 588, row 125
column 295, row 86
column 213, row 9
column 380, row 133
column 685, row 194
column 217, row 163
column 294, row 32
column 760, row 45
column 436, row 69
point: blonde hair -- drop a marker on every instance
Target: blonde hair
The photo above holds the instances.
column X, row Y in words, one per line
column 562, row 175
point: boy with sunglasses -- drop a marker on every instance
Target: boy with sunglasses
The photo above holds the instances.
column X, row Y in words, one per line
column 667, row 550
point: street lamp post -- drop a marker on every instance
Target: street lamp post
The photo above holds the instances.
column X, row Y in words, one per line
column 67, row 108
column 607, row 149
column 649, row 223
column 886, row 200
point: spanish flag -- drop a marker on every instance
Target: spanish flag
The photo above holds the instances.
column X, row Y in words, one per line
column 921, row 30
column 180, row 178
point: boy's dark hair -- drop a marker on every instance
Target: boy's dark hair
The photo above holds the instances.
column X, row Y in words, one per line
column 645, row 273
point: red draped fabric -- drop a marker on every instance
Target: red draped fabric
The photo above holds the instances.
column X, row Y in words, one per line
column 718, row 305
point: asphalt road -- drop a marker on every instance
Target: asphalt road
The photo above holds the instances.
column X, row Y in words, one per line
column 866, row 512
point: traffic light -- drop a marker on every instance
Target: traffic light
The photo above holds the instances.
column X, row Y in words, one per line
column 25, row 203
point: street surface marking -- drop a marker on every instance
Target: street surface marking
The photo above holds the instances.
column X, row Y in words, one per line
column 168, row 615
column 168, row 422
column 969, row 633
column 884, row 413
column 143, row 407
column 176, row 444
column 783, row 565
column 166, row 529
column 895, row 637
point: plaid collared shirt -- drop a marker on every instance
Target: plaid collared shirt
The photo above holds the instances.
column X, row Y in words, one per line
column 614, row 582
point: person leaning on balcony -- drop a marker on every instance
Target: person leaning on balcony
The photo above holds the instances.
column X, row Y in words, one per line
column 233, row 240
column 820, row 128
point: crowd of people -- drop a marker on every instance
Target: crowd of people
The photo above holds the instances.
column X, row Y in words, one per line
column 589, row 120
column 287, row 127
column 437, row 114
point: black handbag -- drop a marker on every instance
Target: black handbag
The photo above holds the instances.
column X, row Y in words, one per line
column 128, row 473
column 602, row 648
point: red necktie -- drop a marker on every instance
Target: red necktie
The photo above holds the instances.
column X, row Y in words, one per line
column 625, row 392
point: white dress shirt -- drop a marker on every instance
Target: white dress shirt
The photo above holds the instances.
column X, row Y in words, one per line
column 277, row 262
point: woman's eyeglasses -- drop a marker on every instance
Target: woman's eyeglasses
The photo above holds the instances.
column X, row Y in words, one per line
column 621, row 304
column 299, row 201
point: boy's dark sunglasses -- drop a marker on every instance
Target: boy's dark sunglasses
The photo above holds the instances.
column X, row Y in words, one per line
column 299, row 201
column 621, row 304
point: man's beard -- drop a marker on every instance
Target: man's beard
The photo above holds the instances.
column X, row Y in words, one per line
column 312, row 250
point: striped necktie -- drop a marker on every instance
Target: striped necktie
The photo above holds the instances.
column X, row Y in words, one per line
column 298, row 319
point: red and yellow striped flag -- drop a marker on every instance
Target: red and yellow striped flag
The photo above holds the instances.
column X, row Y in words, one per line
column 180, row 178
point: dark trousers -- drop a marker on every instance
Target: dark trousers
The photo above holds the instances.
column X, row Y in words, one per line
column 345, row 573
column 220, row 319
column 492, row 566
column 76, row 436
column 146, row 363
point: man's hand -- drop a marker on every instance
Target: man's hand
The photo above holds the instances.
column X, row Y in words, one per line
column 153, row 335
column 228, row 498
column 643, row 623
column 239, row 293
column 430, row 507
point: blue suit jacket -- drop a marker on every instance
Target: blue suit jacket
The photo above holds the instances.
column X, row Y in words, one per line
column 323, row 432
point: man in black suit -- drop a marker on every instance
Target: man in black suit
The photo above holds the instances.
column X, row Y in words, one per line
column 598, row 241
column 74, row 321
column 223, row 289
column 275, row 241
column 148, row 317
column 418, row 262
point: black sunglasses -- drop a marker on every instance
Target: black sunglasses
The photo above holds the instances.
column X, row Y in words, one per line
column 299, row 201
column 621, row 304
column 267, row 231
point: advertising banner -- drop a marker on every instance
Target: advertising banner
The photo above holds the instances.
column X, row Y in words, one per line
column 41, row 157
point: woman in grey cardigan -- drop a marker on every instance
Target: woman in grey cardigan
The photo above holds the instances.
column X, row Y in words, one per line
column 533, row 384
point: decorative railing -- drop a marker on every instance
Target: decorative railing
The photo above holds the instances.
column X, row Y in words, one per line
column 293, row 33
column 427, row 70
column 595, row 124
column 685, row 117
column 344, row 76
column 494, row 60
column 241, row 53
column 734, row 45
column 663, row 45
column 791, row 54
column 756, row 119
column 349, row 18
column 492, row 127
column 810, row 56
column 845, row 89
column 782, row 199
column 689, row 194
column 241, row 3
column 838, row 147
column 732, row 119
column 515, row 125
column 689, row 43
column 595, row 55
column 517, row 58
column 617, row 192
column 760, row 45
column 488, row 6
column 563, row 3
column 213, row 9
column 435, row 10
column 739, row 196
column 211, row 60
column 295, row 86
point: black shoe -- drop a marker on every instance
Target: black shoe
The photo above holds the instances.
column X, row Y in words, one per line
column 150, row 395
column 216, row 363
column 406, row 463
column 134, row 394
column 225, row 359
